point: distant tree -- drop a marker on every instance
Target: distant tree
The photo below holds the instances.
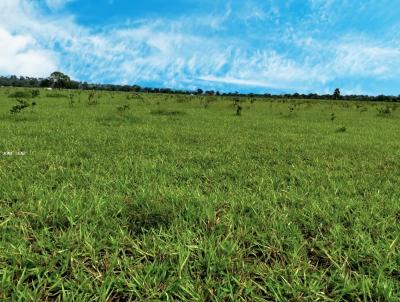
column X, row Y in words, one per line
column 14, row 80
column 165, row 90
column 60, row 80
column 73, row 85
column 136, row 88
column 336, row 94
column 199, row 91
column 45, row 83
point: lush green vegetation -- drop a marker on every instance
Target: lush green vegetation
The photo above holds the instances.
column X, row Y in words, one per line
column 122, row 196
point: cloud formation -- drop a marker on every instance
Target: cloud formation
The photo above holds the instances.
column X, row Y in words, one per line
column 244, row 47
column 22, row 56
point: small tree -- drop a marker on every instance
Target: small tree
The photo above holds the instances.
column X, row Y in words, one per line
column 238, row 108
column 336, row 94
column 22, row 104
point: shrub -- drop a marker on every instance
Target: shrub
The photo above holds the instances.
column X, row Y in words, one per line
column 238, row 110
column 92, row 99
column 35, row 93
column 341, row 129
column 384, row 111
column 71, row 100
column 22, row 104
column 20, row 94
column 123, row 108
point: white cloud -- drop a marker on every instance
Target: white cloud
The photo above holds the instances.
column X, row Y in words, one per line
column 181, row 53
column 367, row 59
column 22, row 56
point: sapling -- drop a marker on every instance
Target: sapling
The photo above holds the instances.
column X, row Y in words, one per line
column 238, row 110
column 341, row 129
column 22, row 104
column 71, row 100
column 92, row 100
column 123, row 108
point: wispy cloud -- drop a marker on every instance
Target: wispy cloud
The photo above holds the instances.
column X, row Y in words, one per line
column 57, row 4
column 367, row 59
column 190, row 51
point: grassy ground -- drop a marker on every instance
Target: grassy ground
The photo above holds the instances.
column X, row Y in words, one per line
column 178, row 199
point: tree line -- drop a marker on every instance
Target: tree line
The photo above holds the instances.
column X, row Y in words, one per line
column 58, row 80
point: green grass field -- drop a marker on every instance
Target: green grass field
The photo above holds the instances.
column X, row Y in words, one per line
column 178, row 199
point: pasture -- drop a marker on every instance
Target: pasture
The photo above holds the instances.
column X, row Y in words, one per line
column 113, row 196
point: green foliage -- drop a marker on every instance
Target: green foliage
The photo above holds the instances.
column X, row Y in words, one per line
column 336, row 94
column 22, row 104
column 71, row 100
column 238, row 110
column 291, row 109
column 25, row 94
column 60, row 80
column 35, row 93
column 384, row 111
column 341, row 129
column 20, row 94
column 123, row 108
column 92, row 99
column 136, row 206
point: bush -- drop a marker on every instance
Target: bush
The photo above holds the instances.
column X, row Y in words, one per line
column 341, row 130
column 20, row 94
column 123, row 108
column 384, row 111
column 35, row 93
column 92, row 99
column 22, row 104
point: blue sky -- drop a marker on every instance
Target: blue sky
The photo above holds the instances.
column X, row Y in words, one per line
column 247, row 46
